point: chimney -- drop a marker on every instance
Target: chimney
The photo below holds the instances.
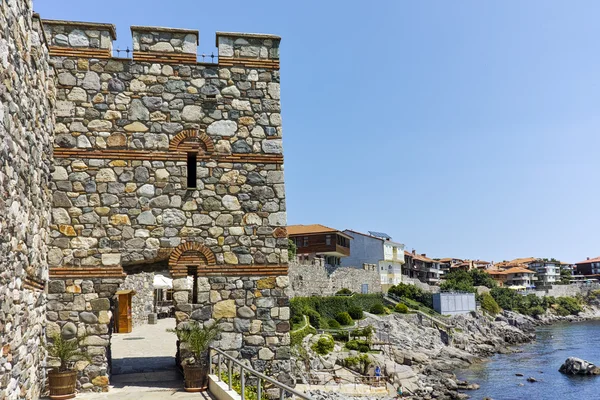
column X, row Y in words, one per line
column 414, row 252
column 424, row 255
column 588, row 258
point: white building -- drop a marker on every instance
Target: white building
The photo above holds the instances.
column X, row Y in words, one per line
column 379, row 249
column 548, row 272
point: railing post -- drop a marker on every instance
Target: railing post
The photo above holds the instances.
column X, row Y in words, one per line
column 281, row 393
column 210, row 364
column 258, row 389
column 219, row 364
column 229, row 373
column 242, row 382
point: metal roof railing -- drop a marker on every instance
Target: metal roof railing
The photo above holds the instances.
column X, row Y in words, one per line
column 243, row 371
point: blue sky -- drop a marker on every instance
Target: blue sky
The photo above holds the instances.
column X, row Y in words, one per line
column 467, row 129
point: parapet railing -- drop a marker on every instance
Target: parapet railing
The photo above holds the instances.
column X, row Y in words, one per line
column 243, row 370
column 211, row 58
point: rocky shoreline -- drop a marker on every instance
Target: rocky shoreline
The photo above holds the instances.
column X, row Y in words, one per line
column 422, row 358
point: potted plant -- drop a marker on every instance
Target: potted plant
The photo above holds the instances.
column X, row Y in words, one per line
column 196, row 339
column 62, row 380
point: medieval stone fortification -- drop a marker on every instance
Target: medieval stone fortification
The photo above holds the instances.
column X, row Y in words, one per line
column 117, row 166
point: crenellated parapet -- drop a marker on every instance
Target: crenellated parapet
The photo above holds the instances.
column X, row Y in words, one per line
column 81, row 38
column 248, row 49
column 169, row 45
column 162, row 45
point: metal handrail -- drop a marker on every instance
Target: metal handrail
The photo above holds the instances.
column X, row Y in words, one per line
column 243, row 368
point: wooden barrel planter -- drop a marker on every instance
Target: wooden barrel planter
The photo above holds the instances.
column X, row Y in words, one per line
column 62, row 384
column 196, row 378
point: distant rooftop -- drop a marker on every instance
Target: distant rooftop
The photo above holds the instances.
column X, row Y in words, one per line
column 309, row 229
column 589, row 260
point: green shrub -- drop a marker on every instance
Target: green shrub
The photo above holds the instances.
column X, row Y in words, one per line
column 367, row 332
column 329, row 307
column 314, row 318
column 377, row 309
column 323, row 346
column 344, row 318
column 296, row 336
column 359, row 363
column 364, row 348
column 356, row 312
column 297, row 320
column 489, row 304
column 570, row 304
column 343, row 292
column 401, row 308
column 358, row 345
column 333, row 324
column 537, row 310
column 412, row 292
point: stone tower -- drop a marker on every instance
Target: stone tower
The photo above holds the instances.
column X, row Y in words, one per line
column 164, row 162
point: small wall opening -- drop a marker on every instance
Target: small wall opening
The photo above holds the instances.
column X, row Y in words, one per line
column 193, row 277
column 191, row 170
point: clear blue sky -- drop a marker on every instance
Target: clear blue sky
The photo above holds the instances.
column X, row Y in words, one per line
column 467, row 129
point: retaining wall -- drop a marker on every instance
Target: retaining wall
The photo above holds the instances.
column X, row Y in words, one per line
column 315, row 279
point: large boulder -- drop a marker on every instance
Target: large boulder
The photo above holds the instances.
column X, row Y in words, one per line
column 577, row 366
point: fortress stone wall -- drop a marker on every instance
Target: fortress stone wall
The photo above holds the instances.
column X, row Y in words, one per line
column 26, row 126
column 130, row 132
column 115, row 167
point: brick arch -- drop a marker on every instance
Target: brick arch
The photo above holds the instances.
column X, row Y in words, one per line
column 190, row 141
column 190, row 254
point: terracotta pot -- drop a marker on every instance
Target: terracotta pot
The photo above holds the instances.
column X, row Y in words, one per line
column 62, row 384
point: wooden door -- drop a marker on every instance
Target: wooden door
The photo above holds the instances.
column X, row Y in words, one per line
column 124, row 318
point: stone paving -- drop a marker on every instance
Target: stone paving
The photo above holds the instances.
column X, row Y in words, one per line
column 143, row 393
column 148, row 348
column 144, row 366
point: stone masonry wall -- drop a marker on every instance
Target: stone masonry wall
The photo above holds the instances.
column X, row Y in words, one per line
column 142, row 302
column 26, row 126
column 81, row 308
column 126, row 130
column 314, row 279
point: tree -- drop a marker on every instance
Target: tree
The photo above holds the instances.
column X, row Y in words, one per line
column 489, row 304
column 565, row 276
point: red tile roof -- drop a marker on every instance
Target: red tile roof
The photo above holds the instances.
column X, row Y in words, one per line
column 309, row 229
column 591, row 260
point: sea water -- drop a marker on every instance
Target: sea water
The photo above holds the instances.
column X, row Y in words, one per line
column 541, row 360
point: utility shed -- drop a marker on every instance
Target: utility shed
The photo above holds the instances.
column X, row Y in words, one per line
column 450, row 303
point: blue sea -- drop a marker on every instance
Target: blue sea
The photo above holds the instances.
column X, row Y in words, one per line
column 541, row 360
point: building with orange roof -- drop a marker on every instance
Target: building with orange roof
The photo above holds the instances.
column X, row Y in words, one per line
column 547, row 271
column 589, row 266
column 320, row 241
column 515, row 277
column 423, row 268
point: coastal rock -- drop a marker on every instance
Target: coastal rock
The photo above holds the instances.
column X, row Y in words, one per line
column 578, row 366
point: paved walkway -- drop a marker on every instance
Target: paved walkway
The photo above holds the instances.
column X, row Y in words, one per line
column 148, row 348
column 141, row 393
column 143, row 366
